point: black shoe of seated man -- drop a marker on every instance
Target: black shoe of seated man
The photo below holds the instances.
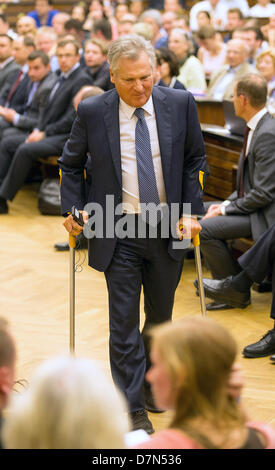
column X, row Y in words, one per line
column 3, row 206
column 212, row 306
column 264, row 347
column 222, row 291
column 150, row 402
column 140, row 420
column 272, row 358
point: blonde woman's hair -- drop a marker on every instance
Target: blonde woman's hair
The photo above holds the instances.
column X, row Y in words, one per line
column 198, row 355
column 70, row 404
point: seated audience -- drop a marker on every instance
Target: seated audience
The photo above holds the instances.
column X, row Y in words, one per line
column 58, row 24
column 69, row 404
column 262, row 9
column 125, row 26
column 43, row 13
column 257, row 263
column 38, row 89
column 95, row 55
column 46, row 41
column 5, row 27
column 192, row 361
column 174, row 6
column 79, row 12
column 221, row 85
column 268, row 31
column 191, row 73
column 102, row 29
column 154, row 19
column 14, row 92
column 203, row 19
column 143, row 29
column 168, row 20
column 235, row 19
column 266, row 67
column 217, row 10
column 26, row 25
column 250, row 210
column 212, row 51
column 7, row 369
column 168, row 68
column 8, row 67
column 53, row 126
column 75, row 29
column 96, row 12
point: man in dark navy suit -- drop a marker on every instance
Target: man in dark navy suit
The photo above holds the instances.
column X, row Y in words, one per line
column 146, row 147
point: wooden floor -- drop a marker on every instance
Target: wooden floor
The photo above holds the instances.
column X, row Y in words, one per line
column 34, row 296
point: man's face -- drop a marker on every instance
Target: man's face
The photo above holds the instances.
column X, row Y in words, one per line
column 44, row 43
column 93, row 55
column 249, row 37
column 42, row 7
column 235, row 54
column 133, row 80
column 37, row 70
column 20, row 52
column 67, row 57
column 5, row 49
column 4, row 27
column 25, row 25
column 168, row 20
column 233, row 21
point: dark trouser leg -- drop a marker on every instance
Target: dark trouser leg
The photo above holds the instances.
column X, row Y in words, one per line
column 259, row 260
column 22, row 162
column 137, row 261
column 215, row 232
column 8, row 147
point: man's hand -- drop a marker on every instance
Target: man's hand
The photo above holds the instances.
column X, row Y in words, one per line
column 7, row 114
column 213, row 211
column 35, row 136
column 188, row 228
column 73, row 227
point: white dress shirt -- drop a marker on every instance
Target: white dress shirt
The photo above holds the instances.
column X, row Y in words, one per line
column 130, row 189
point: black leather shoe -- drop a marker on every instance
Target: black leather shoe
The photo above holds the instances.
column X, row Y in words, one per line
column 3, row 206
column 272, row 358
column 264, row 347
column 218, row 306
column 150, row 402
column 140, row 420
column 222, row 292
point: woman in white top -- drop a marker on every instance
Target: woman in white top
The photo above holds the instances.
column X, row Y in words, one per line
column 191, row 73
column 262, row 9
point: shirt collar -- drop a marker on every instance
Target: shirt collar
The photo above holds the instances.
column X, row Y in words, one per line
column 129, row 110
column 256, row 118
column 25, row 69
column 66, row 75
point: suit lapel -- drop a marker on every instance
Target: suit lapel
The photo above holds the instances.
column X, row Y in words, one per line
column 111, row 118
column 164, row 127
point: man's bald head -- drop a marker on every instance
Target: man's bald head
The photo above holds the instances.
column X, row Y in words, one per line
column 237, row 52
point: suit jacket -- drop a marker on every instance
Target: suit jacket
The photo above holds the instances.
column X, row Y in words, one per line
column 220, row 74
column 18, row 98
column 59, row 113
column 96, row 131
column 7, row 74
column 28, row 120
column 259, row 182
column 101, row 76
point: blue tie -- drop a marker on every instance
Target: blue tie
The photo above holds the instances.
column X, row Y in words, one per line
column 148, row 191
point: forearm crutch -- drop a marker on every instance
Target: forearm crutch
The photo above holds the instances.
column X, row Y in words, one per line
column 196, row 244
column 72, row 244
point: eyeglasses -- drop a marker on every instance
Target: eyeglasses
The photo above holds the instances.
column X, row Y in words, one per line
column 67, row 56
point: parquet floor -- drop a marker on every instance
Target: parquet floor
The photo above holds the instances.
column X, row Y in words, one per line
column 34, row 296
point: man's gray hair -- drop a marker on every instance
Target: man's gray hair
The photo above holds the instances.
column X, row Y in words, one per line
column 130, row 47
column 155, row 14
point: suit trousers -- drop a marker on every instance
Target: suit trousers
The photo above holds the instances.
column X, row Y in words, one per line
column 17, row 157
column 138, row 262
column 215, row 232
column 259, row 261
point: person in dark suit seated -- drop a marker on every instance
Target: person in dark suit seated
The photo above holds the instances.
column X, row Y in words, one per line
column 168, row 68
column 146, row 147
column 95, row 56
column 8, row 67
column 41, row 82
column 15, row 89
column 53, row 126
column 250, row 210
column 256, row 263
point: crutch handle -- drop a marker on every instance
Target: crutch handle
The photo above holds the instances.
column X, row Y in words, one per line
column 196, row 240
column 72, row 241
